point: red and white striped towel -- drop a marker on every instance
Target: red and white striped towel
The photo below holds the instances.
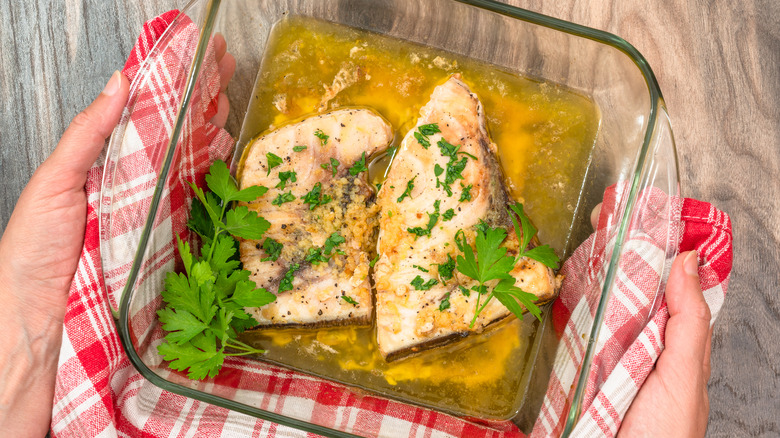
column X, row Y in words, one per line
column 99, row 393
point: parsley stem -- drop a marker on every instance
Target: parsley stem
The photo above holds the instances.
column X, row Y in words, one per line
column 245, row 353
column 476, row 309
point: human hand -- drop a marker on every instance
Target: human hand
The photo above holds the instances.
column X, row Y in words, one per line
column 673, row 401
column 40, row 250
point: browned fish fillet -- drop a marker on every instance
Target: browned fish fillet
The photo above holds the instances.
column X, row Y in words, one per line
column 330, row 243
column 408, row 319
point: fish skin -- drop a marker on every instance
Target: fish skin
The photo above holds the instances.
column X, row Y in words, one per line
column 315, row 300
column 409, row 320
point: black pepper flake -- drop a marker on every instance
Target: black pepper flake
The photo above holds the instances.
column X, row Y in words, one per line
column 319, row 312
column 284, row 226
column 342, row 125
column 257, row 245
column 288, row 312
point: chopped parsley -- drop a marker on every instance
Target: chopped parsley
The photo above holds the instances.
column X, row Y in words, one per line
column 445, row 302
column 433, row 219
column 331, row 242
column 420, row 284
column 299, row 148
column 273, row 161
column 315, row 198
column 378, row 186
column 359, row 166
column 465, row 195
column 349, row 299
column 446, row 269
column 408, row 191
column 286, row 176
column 315, row 257
column 334, row 163
column 423, row 132
column 321, row 135
column 420, row 268
column 448, row 215
column 272, row 248
column 373, row 262
column 281, row 198
column 454, row 170
column 464, row 291
column 286, row 283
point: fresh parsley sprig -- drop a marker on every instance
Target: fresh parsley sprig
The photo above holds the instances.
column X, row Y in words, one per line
column 204, row 310
column 491, row 262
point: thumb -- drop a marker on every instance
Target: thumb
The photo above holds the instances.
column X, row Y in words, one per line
column 689, row 316
column 84, row 139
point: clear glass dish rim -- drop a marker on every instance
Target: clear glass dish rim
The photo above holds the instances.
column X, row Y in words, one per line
column 603, row 37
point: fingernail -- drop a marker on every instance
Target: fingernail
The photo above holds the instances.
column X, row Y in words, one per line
column 113, row 84
column 691, row 264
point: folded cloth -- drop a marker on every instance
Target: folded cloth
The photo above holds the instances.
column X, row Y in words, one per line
column 99, row 393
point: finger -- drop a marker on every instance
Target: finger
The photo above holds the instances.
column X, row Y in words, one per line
column 594, row 215
column 707, row 354
column 223, row 108
column 84, row 139
column 689, row 316
column 227, row 66
column 220, row 46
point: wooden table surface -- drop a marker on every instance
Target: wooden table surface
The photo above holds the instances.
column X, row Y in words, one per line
column 718, row 64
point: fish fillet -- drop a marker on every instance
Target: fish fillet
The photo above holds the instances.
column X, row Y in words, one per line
column 407, row 319
column 336, row 289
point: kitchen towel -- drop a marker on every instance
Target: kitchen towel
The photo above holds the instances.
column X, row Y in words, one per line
column 99, row 393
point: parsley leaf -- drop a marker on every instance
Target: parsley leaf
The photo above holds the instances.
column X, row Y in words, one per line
column 465, row 195
column 281, row 198
column 299, row 148
column 204, row 305
column 246, row 224
column 286, row 282
column 222, row 184
column 420, row 268
column 492, row 263
column 423, row 132
column 334, row 163
column 349, row 299
column 315, row 198
column 543, row 254
column 331, row 242
column 420, row 284
column 408, row 191
column 290, row 176
column 273, row 161
column 448, row 215
column 446, row 269
column 315, row 257
column 433, row 219
column 248, row 295
column 273, row 250
column 429, row 129
column 359, row 166
column 321, row 135
column 454, row 170
column 445, row 302
column 373, row 262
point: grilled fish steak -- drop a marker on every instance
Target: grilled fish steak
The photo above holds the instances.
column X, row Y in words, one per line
column 408, row 316
column 325, row 218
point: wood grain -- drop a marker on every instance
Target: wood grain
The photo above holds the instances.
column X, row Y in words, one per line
column 718, row 64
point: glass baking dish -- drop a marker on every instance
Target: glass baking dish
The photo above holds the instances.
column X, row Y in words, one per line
column 634, row 151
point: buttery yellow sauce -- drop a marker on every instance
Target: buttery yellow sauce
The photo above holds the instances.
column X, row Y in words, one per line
column 544, row 133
